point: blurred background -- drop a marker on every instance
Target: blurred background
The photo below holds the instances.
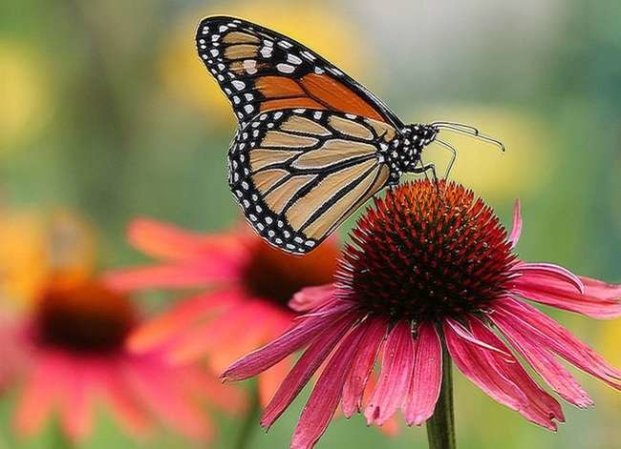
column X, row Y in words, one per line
column 106, row 113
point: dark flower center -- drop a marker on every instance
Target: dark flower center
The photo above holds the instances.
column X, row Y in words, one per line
column 425, row 252
column 85, row 317
column 276, row 276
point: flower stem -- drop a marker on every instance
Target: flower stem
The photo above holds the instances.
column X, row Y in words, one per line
column 441, row 426
column 250, row 423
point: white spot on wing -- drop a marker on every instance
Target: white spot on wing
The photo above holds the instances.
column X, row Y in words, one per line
column 239, row 85
column 293, row 59
column 308, row 55
column 285, row 68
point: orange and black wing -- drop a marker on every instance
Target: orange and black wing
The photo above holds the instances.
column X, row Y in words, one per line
column 298, row 173
column 260, row 71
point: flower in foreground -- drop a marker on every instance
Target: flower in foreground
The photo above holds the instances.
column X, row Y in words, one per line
column 431, row 266
column 67, row 351
column 246, row 285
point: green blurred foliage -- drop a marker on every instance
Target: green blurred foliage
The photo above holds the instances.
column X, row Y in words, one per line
column 90, row 126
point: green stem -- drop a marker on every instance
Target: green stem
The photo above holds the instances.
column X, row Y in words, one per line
column 441, row 426
column 59, row 438
column 250, row 423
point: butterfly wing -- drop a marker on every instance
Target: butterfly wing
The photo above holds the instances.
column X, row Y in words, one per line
column 298, row 173
column 260, row 70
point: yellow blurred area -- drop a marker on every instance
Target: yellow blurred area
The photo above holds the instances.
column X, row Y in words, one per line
column 518, row 172
column 36, row 247
column 607, row 344
column 313, row 23
column 24, row 94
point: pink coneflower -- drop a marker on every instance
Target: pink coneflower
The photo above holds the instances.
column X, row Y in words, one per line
column 73, row 357
column 244, row 303
column 432, row 272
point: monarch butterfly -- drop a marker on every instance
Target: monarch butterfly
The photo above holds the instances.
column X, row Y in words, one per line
column 312, row 144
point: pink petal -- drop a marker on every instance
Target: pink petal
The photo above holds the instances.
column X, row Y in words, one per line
column 182, row 275
column 122, row 402
column 598, row 301
column 394, row 380
column 37, row 399
column 602, row 290
column 229, row 398
column 204, row 337
column 543, row 272
column 517, row 225
column 320, row 348
column 547, row 333
column 374, row 330
column 420, row 402
column 166, row 241
column 262, row 323
column 74, row 405
column 292, row 340
column 544, row 363
column 176, row 321
column 464, row 333
column 310, row 298
column 539, row 407
column 161, row 390
column 472, row 361
column 325, row 397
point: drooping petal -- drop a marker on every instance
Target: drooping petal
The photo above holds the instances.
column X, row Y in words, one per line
column 310, row 298
column 539, row 407
column 394, row 380
column 547, row 333
column 543, row 272
column 306, row 366
column 464, row 333
column 516, row 231
column 325, row 397
column 473, row 363
column 420, row 402
column 179, row 318
column 374, row 330
column 602, row 290
column 292, row 340
column 543, row 362
column 599, row 300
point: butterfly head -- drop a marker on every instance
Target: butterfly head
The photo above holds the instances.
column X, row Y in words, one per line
column 423, row 134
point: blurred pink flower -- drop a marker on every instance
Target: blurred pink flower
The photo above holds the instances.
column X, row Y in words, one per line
column 431, row 267
column 246, row 285
column 72, row 356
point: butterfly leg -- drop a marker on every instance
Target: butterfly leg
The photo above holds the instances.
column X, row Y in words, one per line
column 453, row 151
column 424, row 168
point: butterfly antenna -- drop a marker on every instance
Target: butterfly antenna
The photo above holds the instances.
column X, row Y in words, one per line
column 468, row 130
column 453, row 151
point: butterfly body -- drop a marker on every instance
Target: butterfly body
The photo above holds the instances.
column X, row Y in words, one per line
column 403, row 154
column 312, row 145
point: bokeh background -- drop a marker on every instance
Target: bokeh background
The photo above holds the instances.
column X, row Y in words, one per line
column 107, row 114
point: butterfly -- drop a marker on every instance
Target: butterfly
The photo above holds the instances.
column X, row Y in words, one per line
column 312, row 144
